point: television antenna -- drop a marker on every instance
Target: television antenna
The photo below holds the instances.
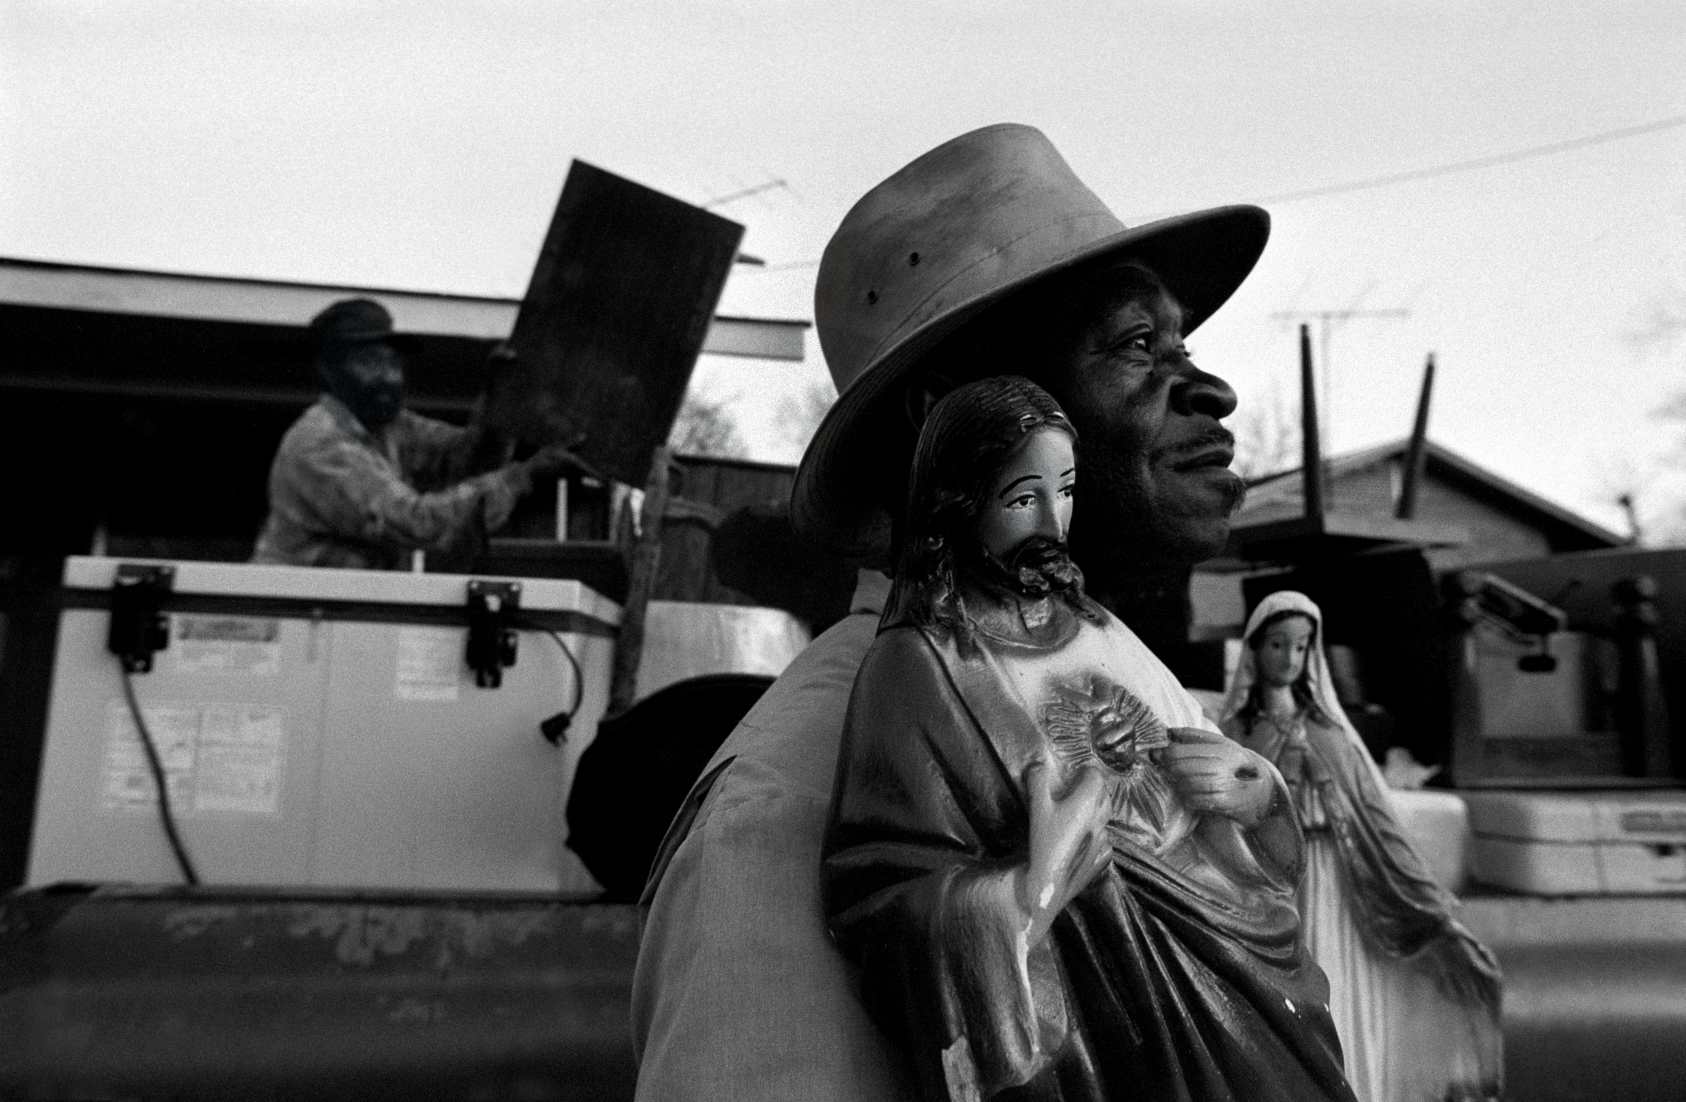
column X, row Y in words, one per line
column 1326, row 321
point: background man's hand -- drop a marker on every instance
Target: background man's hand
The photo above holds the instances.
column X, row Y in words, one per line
column 1213, row 773
column 555, row 459
column 1068, row 840
column 514, row 408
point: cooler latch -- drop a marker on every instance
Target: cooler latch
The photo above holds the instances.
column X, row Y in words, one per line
column 139, row 629
column 492, row 638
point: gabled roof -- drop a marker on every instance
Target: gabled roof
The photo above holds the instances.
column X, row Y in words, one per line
column 1282, row 492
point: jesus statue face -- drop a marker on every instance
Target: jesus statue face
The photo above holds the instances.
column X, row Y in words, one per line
column 1031, row 498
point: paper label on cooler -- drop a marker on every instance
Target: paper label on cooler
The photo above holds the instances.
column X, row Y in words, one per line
column 1665, row 821
column 227, row 644
column 238, row 765
column 216, row 758
column 430, row 663
column 126, row 780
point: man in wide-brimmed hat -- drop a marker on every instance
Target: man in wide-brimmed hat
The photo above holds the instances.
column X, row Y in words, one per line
column 984, row 256
column 360, row 481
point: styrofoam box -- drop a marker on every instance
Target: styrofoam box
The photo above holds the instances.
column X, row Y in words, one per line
column 1582, row 843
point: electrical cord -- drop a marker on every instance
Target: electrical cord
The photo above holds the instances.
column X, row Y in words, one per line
column 555, row 729
column 157, row 766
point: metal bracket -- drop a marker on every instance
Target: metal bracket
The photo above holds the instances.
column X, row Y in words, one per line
column 491, row 636
column 139, row 629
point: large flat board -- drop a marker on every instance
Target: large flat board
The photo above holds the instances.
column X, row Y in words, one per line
column 613, row 319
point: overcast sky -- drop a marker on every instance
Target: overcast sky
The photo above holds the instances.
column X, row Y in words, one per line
column 422, row 145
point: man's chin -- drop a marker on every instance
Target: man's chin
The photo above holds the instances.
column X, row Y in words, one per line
column 1217, row 491
column 1195, row 520
column 1162, row 520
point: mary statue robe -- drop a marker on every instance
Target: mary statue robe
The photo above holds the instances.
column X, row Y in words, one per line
column 1416, row 998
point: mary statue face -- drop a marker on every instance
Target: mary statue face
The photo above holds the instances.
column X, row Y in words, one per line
column 1282, row 649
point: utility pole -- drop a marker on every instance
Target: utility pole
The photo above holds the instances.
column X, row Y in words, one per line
column 1325, row 320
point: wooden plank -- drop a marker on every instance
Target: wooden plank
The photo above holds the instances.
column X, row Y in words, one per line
column 641, row 581
column 613, row 319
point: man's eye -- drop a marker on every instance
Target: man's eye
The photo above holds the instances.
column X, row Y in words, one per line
column 1134, row 342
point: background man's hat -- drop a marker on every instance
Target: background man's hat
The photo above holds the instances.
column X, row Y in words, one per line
column 356, row 321
column 976, row 219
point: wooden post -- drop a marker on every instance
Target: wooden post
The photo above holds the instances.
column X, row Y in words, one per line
column 1466, row 764
column 1311, row 446
column 1641, row 715
column 640, row 583
column 1418, row 448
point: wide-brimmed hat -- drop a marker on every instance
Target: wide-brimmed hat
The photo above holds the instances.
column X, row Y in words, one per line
column 353, row 321
column 977, row 219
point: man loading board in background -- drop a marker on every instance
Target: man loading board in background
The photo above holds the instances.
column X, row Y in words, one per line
column 360, row 481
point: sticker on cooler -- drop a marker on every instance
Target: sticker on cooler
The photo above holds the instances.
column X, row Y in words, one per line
column 430, row 664
column 217, row 758
column 227, row 644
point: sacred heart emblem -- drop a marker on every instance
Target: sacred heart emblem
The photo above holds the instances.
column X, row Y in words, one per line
column 1102, row 721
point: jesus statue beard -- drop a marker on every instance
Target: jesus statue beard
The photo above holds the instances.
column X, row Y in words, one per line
column 1035, row 568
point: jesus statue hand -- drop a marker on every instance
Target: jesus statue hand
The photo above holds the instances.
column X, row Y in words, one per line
column 1069, row 847
column 1216, row 774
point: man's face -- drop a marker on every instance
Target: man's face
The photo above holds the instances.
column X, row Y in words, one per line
column 1156, row 483
column 370, row 381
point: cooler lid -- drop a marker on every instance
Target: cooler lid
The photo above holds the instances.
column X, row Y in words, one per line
column 303, row 584
column 1585, row 817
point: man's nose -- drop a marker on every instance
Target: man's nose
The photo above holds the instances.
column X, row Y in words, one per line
column 1198, row 392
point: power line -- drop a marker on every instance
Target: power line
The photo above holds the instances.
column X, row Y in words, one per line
column 1489, row 161
column 1407, row 176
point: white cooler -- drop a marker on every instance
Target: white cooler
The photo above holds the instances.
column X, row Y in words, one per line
column 1581, row 843
column 323, row 728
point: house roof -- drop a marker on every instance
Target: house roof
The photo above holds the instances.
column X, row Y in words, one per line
column 1282, row 493
column 35, row 283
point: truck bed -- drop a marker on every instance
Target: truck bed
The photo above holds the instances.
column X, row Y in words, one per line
column 110, row 991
